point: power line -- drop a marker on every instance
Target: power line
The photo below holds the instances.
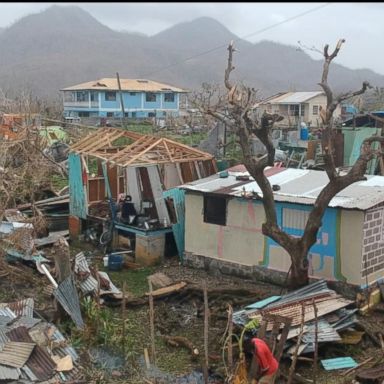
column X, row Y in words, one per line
column 240, row 38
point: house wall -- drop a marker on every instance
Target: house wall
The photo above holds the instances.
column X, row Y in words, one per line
column 335, row 256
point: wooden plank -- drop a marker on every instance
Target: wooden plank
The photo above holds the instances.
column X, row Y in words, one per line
column 157, row 191
column 167, row 290
column 132, row 187
column 338, row 363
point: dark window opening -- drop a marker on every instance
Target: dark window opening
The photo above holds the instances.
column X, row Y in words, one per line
column 151, row 114
column 83, row 114
column 109, row 114
column 150, row 97
column 110, row 96
column 132, row 93
column 81, row 96
column 169, row 97
column 215, row 210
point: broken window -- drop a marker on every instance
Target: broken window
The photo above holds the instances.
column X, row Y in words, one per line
column 215, row 210
column 169, row 97
column 150, row 97
column 110, row 96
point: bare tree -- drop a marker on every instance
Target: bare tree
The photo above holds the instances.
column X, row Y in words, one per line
column 240, row 117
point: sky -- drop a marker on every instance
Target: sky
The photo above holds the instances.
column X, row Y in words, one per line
column 313, row 24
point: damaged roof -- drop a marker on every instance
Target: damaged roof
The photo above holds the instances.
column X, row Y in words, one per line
column 300, row 186
column 144, row 150
column 137, row 85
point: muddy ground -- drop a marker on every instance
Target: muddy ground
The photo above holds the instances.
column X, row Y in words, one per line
column 112, row 350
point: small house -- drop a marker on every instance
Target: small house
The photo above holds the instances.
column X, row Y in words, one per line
column 129, row 179
column 224, row 217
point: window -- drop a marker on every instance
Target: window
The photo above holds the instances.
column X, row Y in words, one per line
column 294, row 110
column 315, row 110
column 132, row 93
column 169, row 97
column 133, row 115
column 110, row 96
column 126, row 114
column 150, row 97
column 83, row 114
column 215, row 210
column 109, row 114
column 151, row 114
column 81, row 96
column 94, row 96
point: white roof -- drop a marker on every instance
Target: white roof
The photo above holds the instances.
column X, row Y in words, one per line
column 300, row 186
column 292, row 97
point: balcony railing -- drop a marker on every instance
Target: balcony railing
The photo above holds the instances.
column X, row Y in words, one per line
column 81, row 104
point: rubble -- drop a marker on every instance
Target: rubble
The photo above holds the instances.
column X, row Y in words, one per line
column 31, row 349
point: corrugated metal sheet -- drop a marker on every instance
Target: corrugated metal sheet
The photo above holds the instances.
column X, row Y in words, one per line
column 9, row 373
column 21, row 307
column 325, row 332
column 88, row 284
column 4, row 320
column 137, row 85
column 15, row 353
column 58, row 337
column 40, row 363
column 298, row 186
column 3, row 336
column 6, row 311
column 27, row 322
column 77, row 203
column 112, row 288
column 67, row 296
column 178, row 196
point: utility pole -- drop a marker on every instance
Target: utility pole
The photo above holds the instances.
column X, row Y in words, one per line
column 121, row 100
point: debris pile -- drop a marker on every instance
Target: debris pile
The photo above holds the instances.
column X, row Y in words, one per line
column 332, row 315
column 31, row 349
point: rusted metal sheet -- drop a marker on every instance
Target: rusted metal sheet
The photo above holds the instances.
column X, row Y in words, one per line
column 15, row 353
column 40, row 363
column 22, row 307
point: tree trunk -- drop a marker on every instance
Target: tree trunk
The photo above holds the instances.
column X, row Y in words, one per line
column 299, row 268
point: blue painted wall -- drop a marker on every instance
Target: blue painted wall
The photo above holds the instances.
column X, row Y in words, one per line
column 132, row 101
column 77, row 192
column 327, row 237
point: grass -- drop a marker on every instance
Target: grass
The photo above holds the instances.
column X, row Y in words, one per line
column 59, row 182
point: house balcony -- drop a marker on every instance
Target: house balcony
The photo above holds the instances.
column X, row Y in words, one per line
column 81, row 104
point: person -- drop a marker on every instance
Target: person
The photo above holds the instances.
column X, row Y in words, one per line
column 267, row 365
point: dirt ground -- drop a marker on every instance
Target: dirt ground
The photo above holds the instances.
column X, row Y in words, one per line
column 108, row 359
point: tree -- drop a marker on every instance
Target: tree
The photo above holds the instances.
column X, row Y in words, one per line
column 239, row 116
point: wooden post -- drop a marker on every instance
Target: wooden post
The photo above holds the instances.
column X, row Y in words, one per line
column 294, row 359
column 315, row 357
column 152, row 322
column 97, row 299
column 230, row 332
column 206, row 327
column 123, row 303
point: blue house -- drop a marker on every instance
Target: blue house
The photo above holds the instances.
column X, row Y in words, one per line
column 141, row 98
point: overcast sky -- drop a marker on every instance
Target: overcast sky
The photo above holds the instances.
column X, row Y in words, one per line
column 316, row 24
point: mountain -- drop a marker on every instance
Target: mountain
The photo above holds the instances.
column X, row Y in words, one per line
column 65, row 45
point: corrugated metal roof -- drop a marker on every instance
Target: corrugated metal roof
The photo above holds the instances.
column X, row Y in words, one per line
column 16, row 353
column 297, row 186
column 137, row 85
column 62, row 351
column 293, row 97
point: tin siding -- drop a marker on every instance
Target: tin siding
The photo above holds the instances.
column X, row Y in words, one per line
column 77, row 201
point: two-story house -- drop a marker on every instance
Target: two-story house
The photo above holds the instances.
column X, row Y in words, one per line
column 296, row 107
column 141, row 98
